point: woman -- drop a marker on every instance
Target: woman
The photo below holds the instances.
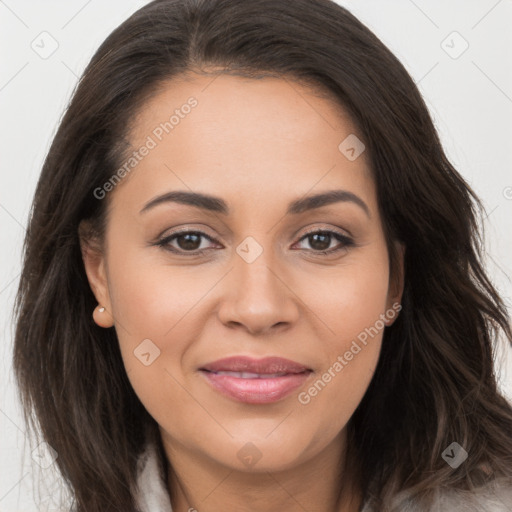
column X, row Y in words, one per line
column 253, row 280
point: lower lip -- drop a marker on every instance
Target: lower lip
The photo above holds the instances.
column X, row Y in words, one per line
column 256, row 391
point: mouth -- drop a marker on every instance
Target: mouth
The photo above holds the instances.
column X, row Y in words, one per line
column 255, row 381
column 248, row 375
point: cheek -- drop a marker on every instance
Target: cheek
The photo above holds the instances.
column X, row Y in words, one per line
column 149, row 300
column 348, row 298
column 350, row 357
column 333, row 396
column 352, row 305
column 154, row 321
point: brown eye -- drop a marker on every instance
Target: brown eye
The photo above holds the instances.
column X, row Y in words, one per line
column 185, row 242
column 188, row 241
column 320, row 241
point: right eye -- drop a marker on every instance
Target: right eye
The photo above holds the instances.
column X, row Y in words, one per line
column 188, row 242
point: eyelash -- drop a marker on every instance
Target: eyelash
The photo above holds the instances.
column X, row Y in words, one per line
column 164, row 242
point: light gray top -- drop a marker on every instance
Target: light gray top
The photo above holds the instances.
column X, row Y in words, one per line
column 153, row 495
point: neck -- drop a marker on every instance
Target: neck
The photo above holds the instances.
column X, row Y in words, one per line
column 325, row 483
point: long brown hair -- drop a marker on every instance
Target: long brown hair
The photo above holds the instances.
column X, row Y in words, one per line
column 434, row 383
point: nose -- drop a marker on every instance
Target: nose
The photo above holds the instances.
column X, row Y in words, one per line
column 258, row 296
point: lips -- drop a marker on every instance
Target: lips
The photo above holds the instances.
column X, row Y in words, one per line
column 265, row 366
column 255, row 381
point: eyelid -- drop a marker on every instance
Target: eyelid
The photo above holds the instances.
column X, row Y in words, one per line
column 184, row 229
column 316, row 229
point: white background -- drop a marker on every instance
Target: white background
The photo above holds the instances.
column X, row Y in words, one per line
column 470, row 98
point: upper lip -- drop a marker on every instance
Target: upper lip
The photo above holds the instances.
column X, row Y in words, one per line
column 267, row 365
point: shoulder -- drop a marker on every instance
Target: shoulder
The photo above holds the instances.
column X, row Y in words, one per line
column 152, row 492
column 496, row 496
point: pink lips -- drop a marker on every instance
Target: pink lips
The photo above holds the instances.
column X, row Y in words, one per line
column 255, row 381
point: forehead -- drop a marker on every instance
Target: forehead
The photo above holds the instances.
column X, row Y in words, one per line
column 227, row 134
column 242, row 106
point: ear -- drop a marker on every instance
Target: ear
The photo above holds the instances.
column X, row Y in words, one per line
column 95, row 267
column 396, row 283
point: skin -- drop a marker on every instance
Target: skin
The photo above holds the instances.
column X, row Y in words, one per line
column 258, row 145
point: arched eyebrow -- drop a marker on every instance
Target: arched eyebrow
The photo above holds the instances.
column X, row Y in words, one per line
column 218, row 205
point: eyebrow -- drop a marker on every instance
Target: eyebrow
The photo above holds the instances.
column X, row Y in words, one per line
column 218, row 205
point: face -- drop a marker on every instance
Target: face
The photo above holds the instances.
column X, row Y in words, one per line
column 264, row 271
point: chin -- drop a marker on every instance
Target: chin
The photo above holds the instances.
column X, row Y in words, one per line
column 265, row 453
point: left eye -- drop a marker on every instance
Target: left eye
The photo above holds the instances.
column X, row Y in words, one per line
column 321, row 241
column 190, row 242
